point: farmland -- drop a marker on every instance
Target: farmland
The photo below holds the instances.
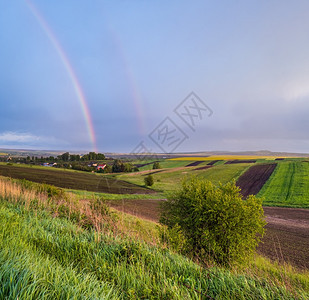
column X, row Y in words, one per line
column 167, row 179
column 72, row 180
column 254, row 178
column 288, row 186
column 227, row 157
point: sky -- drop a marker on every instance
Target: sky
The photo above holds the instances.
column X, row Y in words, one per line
column 111, row 76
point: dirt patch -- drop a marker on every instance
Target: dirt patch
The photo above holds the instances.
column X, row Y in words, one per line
column 145, row 209
column 287, row 231
column 195, row 163
column 253, row 179
column 212, row 162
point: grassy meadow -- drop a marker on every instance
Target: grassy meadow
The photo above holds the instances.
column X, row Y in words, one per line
column 166, row 180
column 56, row 246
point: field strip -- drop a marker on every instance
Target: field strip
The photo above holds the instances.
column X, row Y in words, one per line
column 254, row 178
column 72, row 180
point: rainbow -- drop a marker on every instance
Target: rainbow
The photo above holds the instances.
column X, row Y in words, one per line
column 69, row 69
column 134, row 91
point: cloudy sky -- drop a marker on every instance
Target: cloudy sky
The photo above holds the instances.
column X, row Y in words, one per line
column 105, row 75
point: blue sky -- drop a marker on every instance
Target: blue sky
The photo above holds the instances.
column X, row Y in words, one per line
column 137, row 60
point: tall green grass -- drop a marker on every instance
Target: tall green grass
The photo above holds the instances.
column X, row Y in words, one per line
column 44, row 255
column 50, row 258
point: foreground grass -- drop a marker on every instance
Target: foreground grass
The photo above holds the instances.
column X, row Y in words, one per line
column 288, row 185
column 47, row 257
column 51, row 258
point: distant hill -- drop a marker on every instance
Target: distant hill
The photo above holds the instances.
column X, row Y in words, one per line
column 26, row 152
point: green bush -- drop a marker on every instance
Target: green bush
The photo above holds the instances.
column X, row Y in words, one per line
column 148, row 180
column 215, row 222
column 156, row 165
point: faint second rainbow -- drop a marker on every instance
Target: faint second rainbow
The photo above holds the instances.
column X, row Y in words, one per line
column 66, row 63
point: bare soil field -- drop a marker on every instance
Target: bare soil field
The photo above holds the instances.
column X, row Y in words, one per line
column 287, row 231
column 195, row 163
column 212, row 162
column 287, row 236
column 73, row 180
column 253, row 179
column 145, row 209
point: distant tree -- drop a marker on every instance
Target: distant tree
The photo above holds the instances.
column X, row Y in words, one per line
column 100, row 156
column 74, row 157
column 128, row 167
column 118, row 166
column 148, row 180
column 92, row 156
column 156, row 165
column 65, row 156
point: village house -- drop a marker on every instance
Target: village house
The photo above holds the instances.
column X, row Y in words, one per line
column 101, row 167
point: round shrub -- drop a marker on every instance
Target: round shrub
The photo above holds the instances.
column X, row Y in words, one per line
column 216, row 223
column 149, row 180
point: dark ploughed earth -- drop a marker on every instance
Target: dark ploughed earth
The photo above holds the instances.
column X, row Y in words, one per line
column 254, row 178
column 73, row 180
column 287, row 231
column 287, row 236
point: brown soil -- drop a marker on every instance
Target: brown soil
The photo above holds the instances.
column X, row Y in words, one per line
column 145, row 209
column 287, row 236
column 194, row 164
column 287, row 231
column 253, row 179
column 73, row 180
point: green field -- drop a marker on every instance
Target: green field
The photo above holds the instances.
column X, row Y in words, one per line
column 288, row 185
column 48, row 257
column 167, row 180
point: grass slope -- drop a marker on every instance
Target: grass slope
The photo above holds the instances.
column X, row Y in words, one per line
column 288, row 185
column 50, row 258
